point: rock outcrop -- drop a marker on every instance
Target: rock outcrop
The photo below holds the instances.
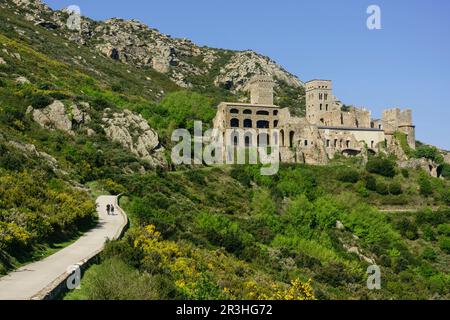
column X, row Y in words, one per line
column 57, row 117
column 242, row 65
column 132, row 42
column 425, row 164
column 30, row 150
column 134, row 134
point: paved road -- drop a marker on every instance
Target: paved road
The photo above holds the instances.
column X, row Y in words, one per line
column 31, row 280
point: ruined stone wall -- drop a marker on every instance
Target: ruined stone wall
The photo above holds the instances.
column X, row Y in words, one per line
column 399, row 120
column 355, row 118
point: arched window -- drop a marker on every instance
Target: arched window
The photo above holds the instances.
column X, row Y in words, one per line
column 247, row 111
column 262, row 124
column 235, row 138
column 262, row 113
column 275, row 112
column 248, row 123
column 291, row 139
column 248, row 139
column 234, row 111
column 234, row 123
column 282, row 138
column 275, row 123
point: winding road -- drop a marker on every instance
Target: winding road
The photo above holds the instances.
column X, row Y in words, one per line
column 36, row 280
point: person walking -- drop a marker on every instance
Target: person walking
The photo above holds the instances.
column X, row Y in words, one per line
column 112, row 209
column 108, row 208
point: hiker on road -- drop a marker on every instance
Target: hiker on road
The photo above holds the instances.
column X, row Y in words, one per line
column 112, row 209
column 108, row 208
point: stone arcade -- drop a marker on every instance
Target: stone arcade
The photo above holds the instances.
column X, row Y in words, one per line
column 327, row 128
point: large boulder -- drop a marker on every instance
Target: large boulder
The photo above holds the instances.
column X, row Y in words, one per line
column 134, row 134
column 57, row 117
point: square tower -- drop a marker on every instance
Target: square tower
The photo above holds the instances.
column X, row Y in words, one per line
column 319, row 99
column 261, row 90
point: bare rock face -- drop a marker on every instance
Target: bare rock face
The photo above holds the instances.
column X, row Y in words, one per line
column 57, row 117
column 52, row 117
column 394, row 147
column 2, row 61
column 447, row 158
column 235, row 74
column 427, row 165
column 134, row 134
column 22, row 80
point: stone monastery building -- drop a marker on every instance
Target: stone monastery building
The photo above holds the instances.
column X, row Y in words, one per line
column 326, row 130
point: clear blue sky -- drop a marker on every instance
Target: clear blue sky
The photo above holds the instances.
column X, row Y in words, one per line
column 406, row 64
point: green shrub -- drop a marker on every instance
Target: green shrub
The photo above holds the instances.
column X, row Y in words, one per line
column 428, row 233
column 222, row 232
column 40, row 101
column 395, row 188
column 445, row 171
column 381, row 166
column 405, row 173
column 444, row 229
column 348, row 175
column 429, row 254
column 426, row 189
column 115, row 280
column 382, row 188
column 429, row 152
column 408, row 229
column 371, row 182
column 444, row 244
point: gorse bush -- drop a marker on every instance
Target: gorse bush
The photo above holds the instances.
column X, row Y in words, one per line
column 34, row 213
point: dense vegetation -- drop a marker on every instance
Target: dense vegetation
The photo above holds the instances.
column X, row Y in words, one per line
column 202, row 233
column 37, row 209
column 217, row 233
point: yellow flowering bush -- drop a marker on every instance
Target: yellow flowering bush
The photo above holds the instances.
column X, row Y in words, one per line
column 212, row 274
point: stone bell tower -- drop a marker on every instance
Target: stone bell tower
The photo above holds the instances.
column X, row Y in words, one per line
column 261, row 90
column 319, row 99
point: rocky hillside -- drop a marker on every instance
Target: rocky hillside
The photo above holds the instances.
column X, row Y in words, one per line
column 134, row 43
